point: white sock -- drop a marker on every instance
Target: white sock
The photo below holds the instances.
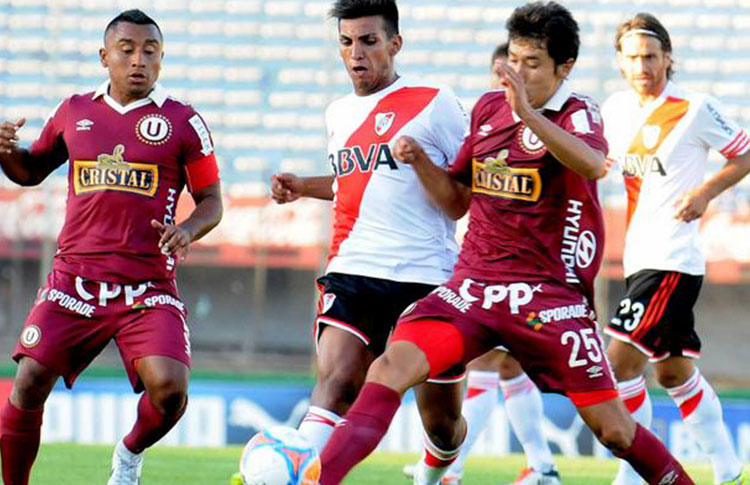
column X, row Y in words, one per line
column 434, row 463
column 317, row 426
column 480, row 401
column 635, row 396
column 701, row 413
column 523, row 404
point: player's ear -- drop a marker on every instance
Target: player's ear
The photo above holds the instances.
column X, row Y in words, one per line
column 395, row 44
column 563, row 70
column 103, row 56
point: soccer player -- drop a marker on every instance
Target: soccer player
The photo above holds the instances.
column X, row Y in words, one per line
column 526, row 270
column 391, row 245
column 131, row 150
column 523, row 401
column 660, row 135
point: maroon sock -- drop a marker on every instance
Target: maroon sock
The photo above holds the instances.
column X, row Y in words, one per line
column 20, row 430
column 360, row 431
column 150, row 426
column 651, row 459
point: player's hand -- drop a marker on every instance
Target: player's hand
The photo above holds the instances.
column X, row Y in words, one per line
column 174, row 240
column 515, row 88
column 691, row 205
column 9, row 135
column 408, row 150
column 286, row 187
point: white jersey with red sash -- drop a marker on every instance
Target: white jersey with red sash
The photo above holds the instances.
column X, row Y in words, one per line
column 385, row 225
column 662, row 148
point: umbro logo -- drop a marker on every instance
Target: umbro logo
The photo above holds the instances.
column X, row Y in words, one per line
column 84, row 125
column 595, row 371
column 669, row 478
column 484, row 130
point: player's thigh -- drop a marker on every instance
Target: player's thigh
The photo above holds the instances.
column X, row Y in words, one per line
column 63, row 331
column 627, row 361
column 158, row 331
column 342, row 355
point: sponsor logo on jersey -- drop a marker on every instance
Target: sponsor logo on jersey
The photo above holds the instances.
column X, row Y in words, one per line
column 31, row 336
column 484, row 130
column 516, row 294
column 669, row 478
column 530, row 143
column 383, row 122
column 84, row 125
column 153, row 129
column 207, row 148
column 493, row 176
column 349, row 159
column 162, row 300
column 720, row 120
column 634, row 165
column 112, row 172
column 533, row 321
column 71, row 303
column 578, row 247
column 566, row 312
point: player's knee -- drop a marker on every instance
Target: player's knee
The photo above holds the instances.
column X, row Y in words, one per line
column 397, row 371
column 510, row 368
column 168, row 395
column 32, row 385
column 340, row 386
column 616, row 437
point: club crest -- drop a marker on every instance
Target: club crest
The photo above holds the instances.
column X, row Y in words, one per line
column 383, row 122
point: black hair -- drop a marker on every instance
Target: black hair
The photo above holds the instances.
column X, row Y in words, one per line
column 549, row 23
column 500, row 51
column 646, row 21
column 354, row 9
column 134, row 16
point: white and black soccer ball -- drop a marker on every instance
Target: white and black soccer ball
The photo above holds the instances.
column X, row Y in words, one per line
column 279, row 456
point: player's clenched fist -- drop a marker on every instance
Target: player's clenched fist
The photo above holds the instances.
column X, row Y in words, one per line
column 174, row 240
column 408, row 150
column 286, row 187
column 9, row 136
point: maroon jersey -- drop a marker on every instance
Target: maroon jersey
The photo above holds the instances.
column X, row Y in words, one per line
column 532, row 218
column 128, row 165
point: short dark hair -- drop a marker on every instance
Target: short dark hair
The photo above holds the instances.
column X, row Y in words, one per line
column 550, row 23
column 134, row 16
column 646, row 21
column 500, row 51
column 354, row 9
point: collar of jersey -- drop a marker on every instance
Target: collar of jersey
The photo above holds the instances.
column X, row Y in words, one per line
column 157, row 96
column 555, row 103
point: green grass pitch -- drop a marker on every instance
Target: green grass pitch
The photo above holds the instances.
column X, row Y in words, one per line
column 67, row 464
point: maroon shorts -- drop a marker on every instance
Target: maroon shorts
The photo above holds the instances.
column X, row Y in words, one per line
column 73, row 319
column 549, row 328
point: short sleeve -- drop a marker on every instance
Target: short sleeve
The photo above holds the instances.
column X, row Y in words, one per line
column 51, row 144
column 201, row 169
column 461, row 168
column 449, row 123
column 717, row 131
column 584, row 120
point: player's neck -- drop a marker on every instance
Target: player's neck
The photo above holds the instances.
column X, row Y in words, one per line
column 123, row 98
column 646, row 98
column 392, row 78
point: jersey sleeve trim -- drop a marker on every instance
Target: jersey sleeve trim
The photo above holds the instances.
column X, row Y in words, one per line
column 738, row 146
column 201, row 173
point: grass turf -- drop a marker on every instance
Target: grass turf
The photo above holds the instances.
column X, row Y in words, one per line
column 68, row 464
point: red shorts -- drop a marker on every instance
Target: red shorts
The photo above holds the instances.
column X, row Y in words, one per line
column 548, row 327
column 73, row 319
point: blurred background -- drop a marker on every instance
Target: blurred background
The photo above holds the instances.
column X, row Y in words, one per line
column 261, row 73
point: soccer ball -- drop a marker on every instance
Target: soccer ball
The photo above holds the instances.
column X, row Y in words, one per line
column 279, row 456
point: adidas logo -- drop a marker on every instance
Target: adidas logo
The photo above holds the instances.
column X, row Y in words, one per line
column 84, row 125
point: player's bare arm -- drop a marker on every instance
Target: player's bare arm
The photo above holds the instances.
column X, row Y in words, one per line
column 451, row 196
column 175, row 238
column 18, row 163
column 287, row 187
column 568, row 149
column 692, row 205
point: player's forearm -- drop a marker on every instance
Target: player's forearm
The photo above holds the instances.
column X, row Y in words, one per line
column 732, row 172
column 318, row 187
column 206, row 215
column 450, row 196
column 570, row 150
column 17, row 166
